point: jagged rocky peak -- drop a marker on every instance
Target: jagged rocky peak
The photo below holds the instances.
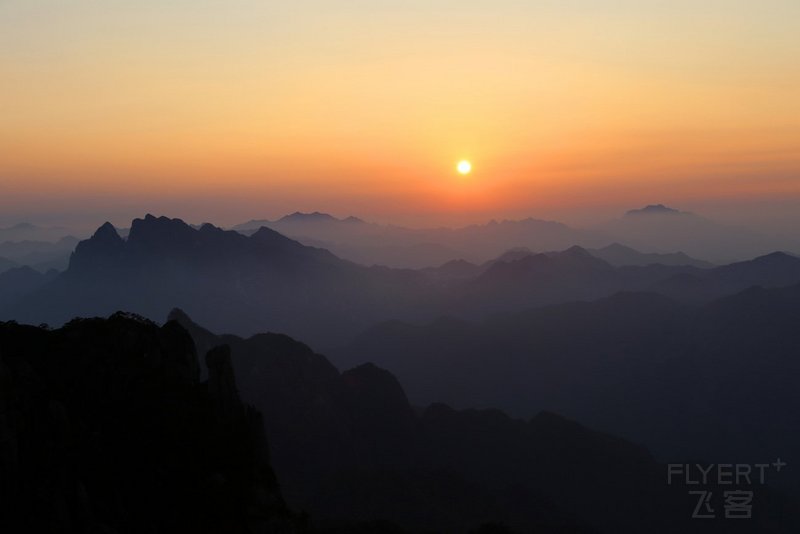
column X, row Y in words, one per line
column 179, row 316
column 210, row 228
column 114, row 394
column 97, row 251
column 158, row 230
column 107, row 233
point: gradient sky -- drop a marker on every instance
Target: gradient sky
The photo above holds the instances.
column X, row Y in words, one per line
column 226, row 110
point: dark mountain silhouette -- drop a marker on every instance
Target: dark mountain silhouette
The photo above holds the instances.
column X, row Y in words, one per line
column 106, row 427
column 266, row 281
column 772, row 270
column 349, row 445
column 454, row 270
column 620, row 255
column 529, row 280
column 541, row 279
column 714, row 381
column 514, row 254
column 245, row 284
column 615, row 254
column 242, row 283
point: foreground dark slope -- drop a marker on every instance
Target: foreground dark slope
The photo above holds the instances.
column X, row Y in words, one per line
column 349, row 445
column 105, row 427
column 717, row 382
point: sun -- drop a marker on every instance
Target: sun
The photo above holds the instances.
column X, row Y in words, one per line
column 464, row 167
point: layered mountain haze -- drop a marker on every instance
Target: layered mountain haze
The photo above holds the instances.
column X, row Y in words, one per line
column 693, row 361
column 244, row 284
column 618, row 254
column 658, row 228
column 40, row 255
column 666, row 235
column 397, row 246
column 26, row 231
column 268, row 282
column 716, row 380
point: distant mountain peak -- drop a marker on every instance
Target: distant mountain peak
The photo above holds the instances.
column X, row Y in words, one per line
column 268, row 235
column 177, row 314
column 577, row 251
column 307, row 217
column 618, row 247
column 209, row 228
column 515, row 253
column 106, row 233
column 98, row 250
column 655, row 209
column 778, row 257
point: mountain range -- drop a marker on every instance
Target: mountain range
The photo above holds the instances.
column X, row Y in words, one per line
column 395, row 246
column 658, row 228
column 655, row 229
column 692, row 361
column 349, row 444
column 268, row 282
column 714, row 381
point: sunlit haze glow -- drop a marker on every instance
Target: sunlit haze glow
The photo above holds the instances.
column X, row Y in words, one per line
column 225, row 111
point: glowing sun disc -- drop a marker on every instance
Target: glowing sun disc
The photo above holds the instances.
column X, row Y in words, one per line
column 464, row 167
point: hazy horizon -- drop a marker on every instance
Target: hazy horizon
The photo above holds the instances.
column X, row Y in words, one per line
column 774, row 219
column 571, row 111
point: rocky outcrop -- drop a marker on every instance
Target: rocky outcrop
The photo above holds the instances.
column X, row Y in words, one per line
column 222, row 391
column 106, row 427
column 98, row 253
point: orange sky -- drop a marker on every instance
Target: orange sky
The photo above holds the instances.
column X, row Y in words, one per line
column 239, row 109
